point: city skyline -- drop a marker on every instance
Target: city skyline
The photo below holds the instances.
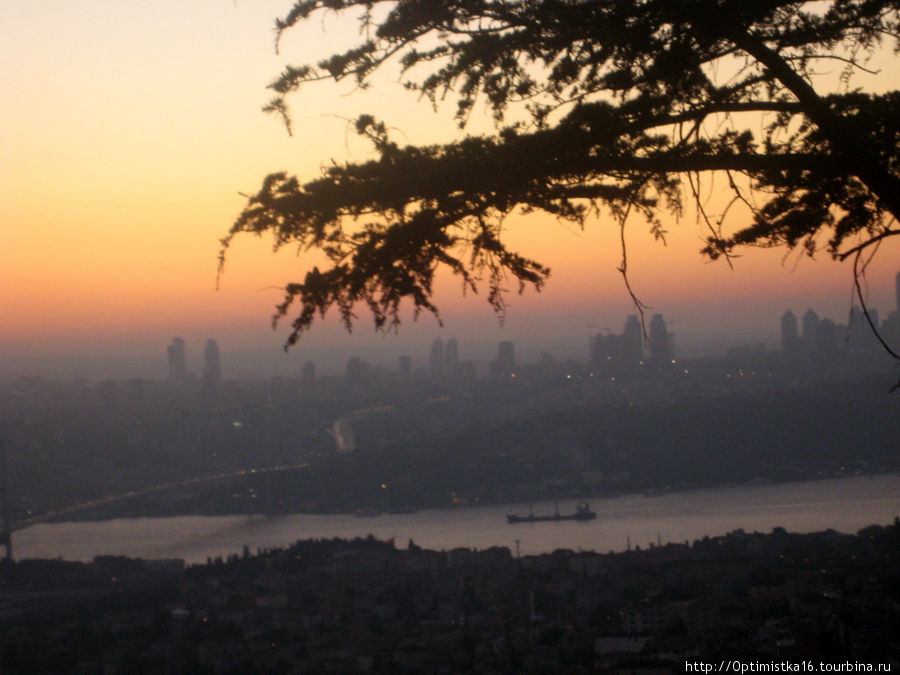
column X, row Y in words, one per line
column 655, row 342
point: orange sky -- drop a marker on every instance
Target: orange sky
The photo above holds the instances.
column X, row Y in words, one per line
column 130, row 128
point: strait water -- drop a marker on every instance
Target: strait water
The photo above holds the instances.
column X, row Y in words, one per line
column 845, row 505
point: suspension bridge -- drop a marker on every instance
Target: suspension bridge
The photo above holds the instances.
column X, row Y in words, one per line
column 7, row 527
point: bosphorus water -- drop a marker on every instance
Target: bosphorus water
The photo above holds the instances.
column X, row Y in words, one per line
column 844, row 504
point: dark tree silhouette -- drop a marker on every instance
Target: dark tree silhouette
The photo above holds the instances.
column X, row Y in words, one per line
column 621, row 107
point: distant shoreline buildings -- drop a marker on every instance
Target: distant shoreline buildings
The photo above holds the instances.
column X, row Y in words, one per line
column 211, row 372
column 807, row 340
column 625, row 351
column 821, row 339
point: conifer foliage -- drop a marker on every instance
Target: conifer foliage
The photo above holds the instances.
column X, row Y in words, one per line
column 620, row 108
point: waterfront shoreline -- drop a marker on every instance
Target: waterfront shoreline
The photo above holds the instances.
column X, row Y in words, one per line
column 158, row 507
column 845, row 504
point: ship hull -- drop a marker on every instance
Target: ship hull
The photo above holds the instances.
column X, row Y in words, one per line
column 584, row 515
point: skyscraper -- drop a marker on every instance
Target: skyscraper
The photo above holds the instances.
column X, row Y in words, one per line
column 177, row 359
column 212, row 365
column 505, row 363
column 633, row 339
column 451, row 357
column 436, row 359
column 618, row 353
column 358, row 370
column 606, row 348
column 660, row 340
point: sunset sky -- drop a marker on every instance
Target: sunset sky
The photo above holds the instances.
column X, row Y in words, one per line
column 131, row 128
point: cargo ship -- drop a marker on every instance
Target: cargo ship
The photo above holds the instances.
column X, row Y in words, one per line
column 582, row 512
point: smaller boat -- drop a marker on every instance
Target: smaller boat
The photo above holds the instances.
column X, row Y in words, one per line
column 582, row 512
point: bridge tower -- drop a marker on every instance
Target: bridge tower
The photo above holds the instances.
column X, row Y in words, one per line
column 5, row 530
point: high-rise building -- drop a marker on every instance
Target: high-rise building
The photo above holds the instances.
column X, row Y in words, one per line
column 606, row 349
column 505, row 363
column 788, row 332
column 212, row 365
column 634, row 339
column 358, row 370
column 436, row 359
column 661, row 350
column 451, row 357
column 177, row 359
column 618, row 353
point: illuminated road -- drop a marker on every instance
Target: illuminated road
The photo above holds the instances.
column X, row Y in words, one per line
column 342, row 430
column 162, row 487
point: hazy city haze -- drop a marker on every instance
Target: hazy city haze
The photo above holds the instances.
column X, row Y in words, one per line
column 130, row 131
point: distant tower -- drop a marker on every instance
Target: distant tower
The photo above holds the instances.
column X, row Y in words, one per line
column 451, row 357
column 634, row 339
column 177, row 359
column 436, row 359
column 212, row 364
column 660, row 340
column 358, row 370
column 506, row 357
column 788, row 332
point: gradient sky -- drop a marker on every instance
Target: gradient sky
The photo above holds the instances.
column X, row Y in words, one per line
column 131, row 128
